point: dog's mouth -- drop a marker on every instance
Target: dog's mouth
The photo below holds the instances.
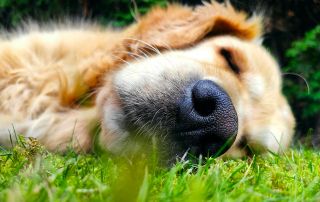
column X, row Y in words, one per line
column 205, row 142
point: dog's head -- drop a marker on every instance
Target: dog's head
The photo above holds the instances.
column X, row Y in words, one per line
column 199, row 81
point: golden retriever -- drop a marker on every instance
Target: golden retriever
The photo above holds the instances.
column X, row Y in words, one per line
column 186, row 79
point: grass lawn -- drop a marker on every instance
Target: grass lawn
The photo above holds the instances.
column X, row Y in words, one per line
column 29, row 173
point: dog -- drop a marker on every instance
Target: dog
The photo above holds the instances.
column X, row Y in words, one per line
column 184, row 79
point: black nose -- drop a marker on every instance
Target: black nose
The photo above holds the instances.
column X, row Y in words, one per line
column 207, row 119
column 204, row 97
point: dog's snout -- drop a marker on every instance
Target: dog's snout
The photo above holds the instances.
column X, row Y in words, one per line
column 203, row 97
column 207, row 118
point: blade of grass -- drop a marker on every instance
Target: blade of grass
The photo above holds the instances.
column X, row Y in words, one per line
column 10, row 139
column 22, row 142
column 15, row 134
column 18, row 168
column 6, row 153
column 143, row 192
column 223, row 147
column 293, row 168
column 276, row 155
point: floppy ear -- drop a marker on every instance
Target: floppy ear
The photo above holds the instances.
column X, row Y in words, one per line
column 175, row 26
column 178, row 26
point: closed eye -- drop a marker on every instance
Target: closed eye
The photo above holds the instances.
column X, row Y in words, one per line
column 228, row 57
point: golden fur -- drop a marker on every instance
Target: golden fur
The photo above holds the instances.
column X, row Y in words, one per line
column 44, row 73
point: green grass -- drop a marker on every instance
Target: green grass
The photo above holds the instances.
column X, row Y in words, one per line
column 29, row 173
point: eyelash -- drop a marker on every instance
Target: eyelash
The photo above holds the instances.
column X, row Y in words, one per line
column 227, row 55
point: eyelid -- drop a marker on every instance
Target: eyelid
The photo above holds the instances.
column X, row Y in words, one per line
column 228, row 57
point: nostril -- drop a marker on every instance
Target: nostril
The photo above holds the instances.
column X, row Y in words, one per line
column 204, row 95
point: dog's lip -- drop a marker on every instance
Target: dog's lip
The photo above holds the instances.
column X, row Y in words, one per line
column 201, row 142
column 197, row 135
column 206, row 136
column 193, row 131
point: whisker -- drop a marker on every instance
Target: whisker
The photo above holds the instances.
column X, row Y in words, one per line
column 155, row 115
column 128, row 63
column 131, row 54
column 84, row 98
column 167, row 46
column 139, row 49
column 142, row 50
column 301, row 78
column 155, row 49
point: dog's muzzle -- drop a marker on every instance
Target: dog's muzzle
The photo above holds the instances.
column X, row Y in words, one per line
column 193, row 115
column 207, row 119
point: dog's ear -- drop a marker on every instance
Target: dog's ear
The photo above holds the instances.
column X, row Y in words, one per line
column 178, row 26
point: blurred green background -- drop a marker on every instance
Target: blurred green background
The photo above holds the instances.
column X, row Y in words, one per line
column 293, row 37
